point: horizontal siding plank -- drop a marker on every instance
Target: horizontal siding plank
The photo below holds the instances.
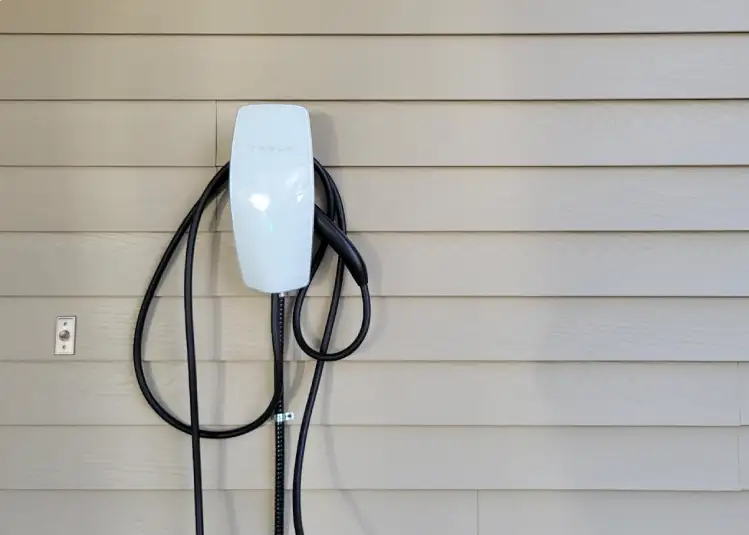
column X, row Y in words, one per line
column 108, row 133
column 378, row 458
column 400, row 265
column 111, row 199
column 520, row 133
column 232, row 512
column 129, row 458
column 507, row 394
column 613, row 513
column 374, row 68
column 536, row 458
column 403, row 329
column 226, row 329
column 117, row 400
column 530, row 394
column 550, row 133
column 388, row 16
column 70, row 199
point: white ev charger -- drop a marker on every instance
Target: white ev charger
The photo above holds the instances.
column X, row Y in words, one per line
column 271, row 177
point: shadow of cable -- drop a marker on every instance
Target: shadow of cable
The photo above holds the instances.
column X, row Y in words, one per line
column 335, row 476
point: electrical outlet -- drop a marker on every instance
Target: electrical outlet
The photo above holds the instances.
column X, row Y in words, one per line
column 65, row 335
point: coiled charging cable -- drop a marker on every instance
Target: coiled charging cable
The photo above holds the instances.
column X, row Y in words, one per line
column 331, row 231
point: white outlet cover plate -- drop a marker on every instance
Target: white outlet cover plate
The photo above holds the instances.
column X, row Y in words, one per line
column 67, row 346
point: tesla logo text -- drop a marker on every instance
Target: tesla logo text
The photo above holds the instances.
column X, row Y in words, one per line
column 270, row 148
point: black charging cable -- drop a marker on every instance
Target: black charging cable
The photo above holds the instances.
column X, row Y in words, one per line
column 330, row 231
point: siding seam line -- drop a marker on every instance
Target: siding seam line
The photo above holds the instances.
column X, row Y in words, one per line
column 739, row 478
column 215, row 133
column 478, row 512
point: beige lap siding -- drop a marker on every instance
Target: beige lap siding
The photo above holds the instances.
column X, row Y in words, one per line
column 551, row 197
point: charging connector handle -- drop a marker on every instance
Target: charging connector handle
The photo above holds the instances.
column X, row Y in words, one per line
column 337, row 239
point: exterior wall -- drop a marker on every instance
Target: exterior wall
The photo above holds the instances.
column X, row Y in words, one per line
column 552, row 197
